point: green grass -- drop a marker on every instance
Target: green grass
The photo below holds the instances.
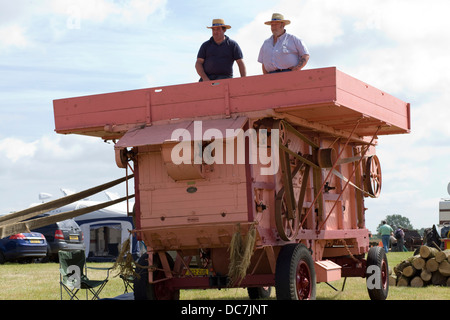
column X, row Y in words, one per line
column 41, row 282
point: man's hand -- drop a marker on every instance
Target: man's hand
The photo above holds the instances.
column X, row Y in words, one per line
column 200, row 70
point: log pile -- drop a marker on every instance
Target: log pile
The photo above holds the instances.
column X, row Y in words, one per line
column 430, row 267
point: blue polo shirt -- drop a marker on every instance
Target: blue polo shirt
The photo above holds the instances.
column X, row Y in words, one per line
column 219, row 58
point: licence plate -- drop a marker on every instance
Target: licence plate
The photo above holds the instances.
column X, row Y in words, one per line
column 73, row 238
column 35, row 241
column 198, row 271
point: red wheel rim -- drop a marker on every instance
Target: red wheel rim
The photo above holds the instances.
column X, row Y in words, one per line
column 384, row 274
column 303, row 281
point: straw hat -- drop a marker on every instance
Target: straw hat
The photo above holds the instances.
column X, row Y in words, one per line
column 217, row 23
column 277, row 17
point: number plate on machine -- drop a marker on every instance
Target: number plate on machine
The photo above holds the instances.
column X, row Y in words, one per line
column 73, row 238
column 35, row 241
column 198, row 271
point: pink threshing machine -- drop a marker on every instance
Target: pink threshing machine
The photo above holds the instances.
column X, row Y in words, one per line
column 250, row 182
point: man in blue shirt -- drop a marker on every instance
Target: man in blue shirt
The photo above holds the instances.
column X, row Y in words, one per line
column 216, row 56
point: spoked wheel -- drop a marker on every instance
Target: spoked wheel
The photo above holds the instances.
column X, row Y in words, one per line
column 373, row 176
column 295, row 276
column 143, row 290
column 287, row 227
column 377, row 274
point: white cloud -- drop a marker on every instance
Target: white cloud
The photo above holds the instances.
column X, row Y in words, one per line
column 13, row 36
column 15, row 149
column 46, row 148
column 52, row 162
column 22, row 23
column 129, row 12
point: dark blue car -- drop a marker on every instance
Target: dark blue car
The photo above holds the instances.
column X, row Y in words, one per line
column 23, row 247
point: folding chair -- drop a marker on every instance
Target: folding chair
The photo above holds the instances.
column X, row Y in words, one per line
column 73, row 275
column 127, row 283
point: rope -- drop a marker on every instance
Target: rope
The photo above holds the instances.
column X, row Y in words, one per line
column 348, row 250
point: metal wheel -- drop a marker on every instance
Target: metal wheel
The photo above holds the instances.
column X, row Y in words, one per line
column 295, row 276
column 373, row 176
column 287, row 227
column 283, row 133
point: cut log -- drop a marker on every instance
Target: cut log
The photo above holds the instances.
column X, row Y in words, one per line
column 418, row 262
column 432, row 265
column 409, row 271
column 425, row 275
column 403, row 281
column 438, row 279
column 428, row 252
column 398, row 269
column 416, row 282
column 392, row 281
column 442, row 255
column 444, row 268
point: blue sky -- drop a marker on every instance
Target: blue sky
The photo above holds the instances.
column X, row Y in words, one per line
column 51, row 49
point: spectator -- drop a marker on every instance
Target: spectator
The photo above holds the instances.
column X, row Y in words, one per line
column 386, row 231
column 399, row 235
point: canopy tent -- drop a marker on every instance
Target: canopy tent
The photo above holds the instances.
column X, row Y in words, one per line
column 105, row 230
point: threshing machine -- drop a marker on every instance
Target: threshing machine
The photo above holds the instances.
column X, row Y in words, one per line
column 249, row 182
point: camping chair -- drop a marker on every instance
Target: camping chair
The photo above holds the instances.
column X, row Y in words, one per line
column 73, row 275
column 127, row 283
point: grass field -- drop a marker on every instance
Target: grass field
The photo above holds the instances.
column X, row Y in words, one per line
column 41, row 282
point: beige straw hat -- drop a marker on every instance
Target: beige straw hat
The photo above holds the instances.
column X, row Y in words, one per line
column 217, row 23
column 278, row 17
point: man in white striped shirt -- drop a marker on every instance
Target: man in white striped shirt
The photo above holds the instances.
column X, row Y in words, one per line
column 282, row 51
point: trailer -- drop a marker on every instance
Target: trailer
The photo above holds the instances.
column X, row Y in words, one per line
column 250, row 182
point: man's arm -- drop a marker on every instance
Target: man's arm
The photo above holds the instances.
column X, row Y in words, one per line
column 302, row 63
column 200, row 70
column 264, row 69
column 242, row 69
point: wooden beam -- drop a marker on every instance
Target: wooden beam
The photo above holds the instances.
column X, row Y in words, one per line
column 51, row 205
column 26, row 226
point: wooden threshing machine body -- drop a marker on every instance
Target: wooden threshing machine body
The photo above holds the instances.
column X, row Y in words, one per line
column 317, row 128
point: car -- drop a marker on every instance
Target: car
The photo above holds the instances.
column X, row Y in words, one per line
column 23, row 247
column 62, row 235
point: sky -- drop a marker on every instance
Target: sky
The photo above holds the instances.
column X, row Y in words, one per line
column 53, row 49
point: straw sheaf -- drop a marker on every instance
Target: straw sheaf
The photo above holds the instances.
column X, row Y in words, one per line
column 241, row 252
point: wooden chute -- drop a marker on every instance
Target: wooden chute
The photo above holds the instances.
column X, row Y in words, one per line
column 15, row 222
column 26, row 226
